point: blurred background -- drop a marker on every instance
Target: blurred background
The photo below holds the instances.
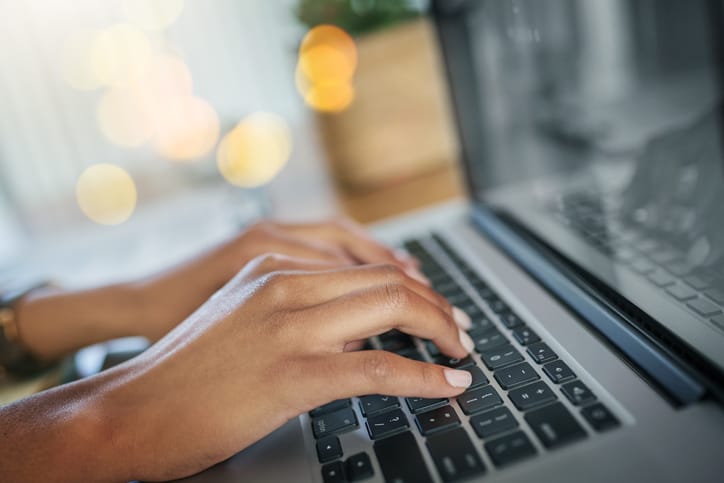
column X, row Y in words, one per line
column 136, row 132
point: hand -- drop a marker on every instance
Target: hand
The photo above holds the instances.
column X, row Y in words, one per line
column 265, row 348
column 172, row 296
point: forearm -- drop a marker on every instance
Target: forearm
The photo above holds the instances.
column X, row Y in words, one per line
column 54, row 322
column 64, row 434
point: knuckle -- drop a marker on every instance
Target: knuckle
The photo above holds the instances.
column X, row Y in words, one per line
column 391, row 272
column 276, row 286
column 377, row 366
column 396, row 295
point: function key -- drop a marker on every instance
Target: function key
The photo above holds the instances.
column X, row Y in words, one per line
column 479, row 378
column 532, row 395
column 558, row 371
column 509, row 449
column 515, row 375
column 374, row 404
column 540, row 352
column 400, row 459
column 599, row 417
column 493, row 422
column 488, row 340
column 454, row 363
column 510, row 319
column 386, row 424
column 578, row 393
column 419, row 405
column 479, row 400
column 334, row 423
column 554, row 425
column 437, row 420
column 455, row 456
column 359, row 467
column 524, row 335
column 329, row 449
column 334, row 473
column 330, row 407
column 500, row 356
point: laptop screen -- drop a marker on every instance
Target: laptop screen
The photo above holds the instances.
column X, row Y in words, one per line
column 597, row 125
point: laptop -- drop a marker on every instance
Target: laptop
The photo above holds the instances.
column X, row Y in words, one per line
column 590, row 256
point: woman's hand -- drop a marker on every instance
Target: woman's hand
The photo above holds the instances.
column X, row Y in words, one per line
column 171, row 296
column 265, row 348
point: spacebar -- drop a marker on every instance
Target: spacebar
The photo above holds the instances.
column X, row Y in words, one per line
column 400, row 459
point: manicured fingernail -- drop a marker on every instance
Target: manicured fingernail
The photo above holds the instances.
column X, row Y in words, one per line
column 458, row 378
column 462, row 319
column 417, row 275
column 466, row 341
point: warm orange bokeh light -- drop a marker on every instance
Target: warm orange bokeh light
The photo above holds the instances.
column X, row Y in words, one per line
column 106, row 194
column 327, row 62
column 252, row 153
column 120, row 55
column 152, row 14
column 187, row 128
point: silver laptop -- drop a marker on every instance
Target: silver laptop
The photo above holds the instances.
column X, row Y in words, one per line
column 590, row 257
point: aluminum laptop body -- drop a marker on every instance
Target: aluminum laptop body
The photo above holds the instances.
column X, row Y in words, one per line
column 591, row 253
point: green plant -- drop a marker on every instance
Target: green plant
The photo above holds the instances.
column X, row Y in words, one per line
column 355, row 16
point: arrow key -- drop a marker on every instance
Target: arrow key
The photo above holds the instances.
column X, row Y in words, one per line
column 329, row 449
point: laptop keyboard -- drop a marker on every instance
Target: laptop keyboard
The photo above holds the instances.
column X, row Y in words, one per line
column 524, row 400
column 592, row 217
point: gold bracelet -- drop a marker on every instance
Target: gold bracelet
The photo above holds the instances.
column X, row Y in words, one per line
column 8, row 322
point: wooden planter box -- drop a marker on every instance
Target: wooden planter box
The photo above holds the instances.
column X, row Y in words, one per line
column 399, row 125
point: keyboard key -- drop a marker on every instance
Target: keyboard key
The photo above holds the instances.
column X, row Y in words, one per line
column 696, row 282
column 375, row 404
column 461, row 299
column 509, row 449
column 411, row 353
column 554, row 425
column 330, row 407
column 540, row 352
column 386, row 424
column 718, row 321
column 334, row 473
column 479, row 400
column 532, row 395
column 394, row 341
column 334, row 423
column 681, row 292
column 359, row 467
column 400, row 459
column 419, row 405
column 704, row 307
column 642, row 266
column 437, row 420
column 510, row 320
column 486, row 293
column 481, row 323
column 577, row 392
column 489, row 340
column 716, row 295
column 660, row 278
column 479, row 378
column 329, row 449
column 432, row 349
column 599, row 417
column 466, row 361
column 524, row 335
column 454, row 455
column 498, row 306
column 492, row 422
column 558, row 371
column 500, row 356
column 515, row 375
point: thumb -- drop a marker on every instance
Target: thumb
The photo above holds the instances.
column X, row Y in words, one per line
column 381, row 372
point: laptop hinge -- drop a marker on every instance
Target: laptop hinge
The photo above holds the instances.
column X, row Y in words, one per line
column 678, row 384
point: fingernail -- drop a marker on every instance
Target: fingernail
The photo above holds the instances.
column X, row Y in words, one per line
column 466, row 341
column 417, row 275
column 405, row 257
column 458, row 378
column 462, row 319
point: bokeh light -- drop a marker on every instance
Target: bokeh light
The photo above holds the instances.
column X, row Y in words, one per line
column 152, row 14
column 106, row 194
column 122, row 116
column 326, row 67
column 76, row 61
column 187, row 128
column 120, row 55
column 254, row 152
